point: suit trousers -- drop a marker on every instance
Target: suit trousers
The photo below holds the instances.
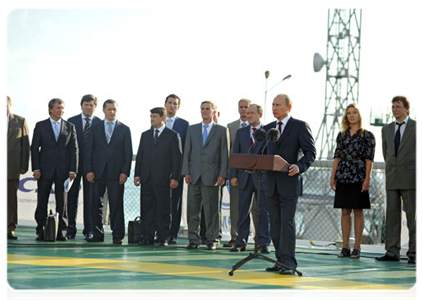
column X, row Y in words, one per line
column 208, row 197
column 156, row 208
column 393, row 221
column 247, row 196
column 176, row 209
column 73, row 197
column 234, row 210
column 115, row 193
column 282, row 227
column 44, row 188
column 12, row 204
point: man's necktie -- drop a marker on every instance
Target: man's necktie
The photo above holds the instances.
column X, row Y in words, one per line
column 56, row 129
column 109, row 131
column 252, row 138
column 280, row 127
column 205, row 134
column 397, row 139
column 86, row 129
column 169, row 123
column 243, row 125
column 156, row 136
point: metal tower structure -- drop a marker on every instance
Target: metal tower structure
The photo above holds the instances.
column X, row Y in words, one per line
column 342, row 74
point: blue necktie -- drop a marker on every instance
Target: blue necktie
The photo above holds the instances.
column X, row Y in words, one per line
column 56, row 127
column 205, row 134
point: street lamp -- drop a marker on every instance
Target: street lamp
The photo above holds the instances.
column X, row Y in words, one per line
column 266, row 74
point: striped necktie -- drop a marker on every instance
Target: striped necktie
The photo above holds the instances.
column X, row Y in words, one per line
column 86, row 129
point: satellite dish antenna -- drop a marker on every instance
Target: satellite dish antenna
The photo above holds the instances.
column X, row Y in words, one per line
column 318, row 62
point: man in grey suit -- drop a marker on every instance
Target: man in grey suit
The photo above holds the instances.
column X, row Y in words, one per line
column 233, row 190
column 296, row 146
column 399, row 152
column 205, row 166
column 17, row 164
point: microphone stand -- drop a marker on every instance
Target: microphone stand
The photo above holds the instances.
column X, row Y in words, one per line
column 255, row 254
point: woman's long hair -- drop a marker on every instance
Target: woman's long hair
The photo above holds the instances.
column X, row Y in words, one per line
column 346, row 124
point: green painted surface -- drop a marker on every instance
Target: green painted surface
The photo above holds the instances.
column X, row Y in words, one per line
column 321, row 269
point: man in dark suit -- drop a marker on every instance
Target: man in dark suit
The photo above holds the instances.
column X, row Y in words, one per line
column 107, row 164
column 83, row 123
column 54, row 154
column 234, row 194
column 205, row 166
column 399, row 152
column 17, row 164
column 247, row 183
column 296, row 146
column 179, row 125
column 158, row 170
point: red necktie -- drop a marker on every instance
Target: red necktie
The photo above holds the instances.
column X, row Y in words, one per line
column 280, row 127
column 252, row 139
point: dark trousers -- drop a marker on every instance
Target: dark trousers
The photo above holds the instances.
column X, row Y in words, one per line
column 44, row 188
column 156, row 210
column 73, row 197
column 12, row 204
column 393, row 221
column 282, row 227
column 245, row 204
column 115, row 193
column 176, row 209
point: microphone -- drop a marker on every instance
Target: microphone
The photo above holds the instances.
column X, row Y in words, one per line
column 272, row 136
column 259, row 136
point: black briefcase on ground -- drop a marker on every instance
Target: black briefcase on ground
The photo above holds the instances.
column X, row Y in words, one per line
column 135, row 229
column 51, row 227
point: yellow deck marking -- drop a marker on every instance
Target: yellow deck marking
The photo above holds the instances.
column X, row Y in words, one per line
column 259, row 278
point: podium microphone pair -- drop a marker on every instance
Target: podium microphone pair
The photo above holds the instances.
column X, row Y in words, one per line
column 271, row 136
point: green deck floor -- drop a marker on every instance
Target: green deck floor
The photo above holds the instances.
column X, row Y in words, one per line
column 77, row 264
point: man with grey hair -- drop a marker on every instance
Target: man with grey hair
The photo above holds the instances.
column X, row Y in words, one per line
column 205, row 166
column 54, row 155
column 233, row 190
column 17, row 164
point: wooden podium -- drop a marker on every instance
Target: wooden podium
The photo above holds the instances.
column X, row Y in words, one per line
column 258, row 162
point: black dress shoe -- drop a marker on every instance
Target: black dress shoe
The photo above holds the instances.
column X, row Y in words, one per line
column 265, row 249
column 70, row 235
column 286, row 272
column 146, row 243
column 238, row 248
column 231, row 243
column 412, row 260
column 94, row 238
column 40, row 237
column 117, row 241
column 275, row 268
column 172, row 240
column 61, row 237
column 211, row 246
column 11, row 236
column 386, row 257
column 192, row 246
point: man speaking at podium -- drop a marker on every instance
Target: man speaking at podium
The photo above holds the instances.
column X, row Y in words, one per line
column 296, row 146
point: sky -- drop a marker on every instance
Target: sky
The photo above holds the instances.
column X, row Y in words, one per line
column 140, row 54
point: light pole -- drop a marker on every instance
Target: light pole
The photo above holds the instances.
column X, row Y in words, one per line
column 266, row 74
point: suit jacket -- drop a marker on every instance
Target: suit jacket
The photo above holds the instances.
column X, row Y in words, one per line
column 181, row 127
column 77, row 121
column 232, row 128
column 116, row 155
column 17, row 146
column 208, row 162
column 242, row 144
column 162, row 161
column 401, row 169
column 51, row 157
column 296, row 146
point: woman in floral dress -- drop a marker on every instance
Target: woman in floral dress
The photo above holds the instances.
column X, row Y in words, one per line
column 351, row 171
